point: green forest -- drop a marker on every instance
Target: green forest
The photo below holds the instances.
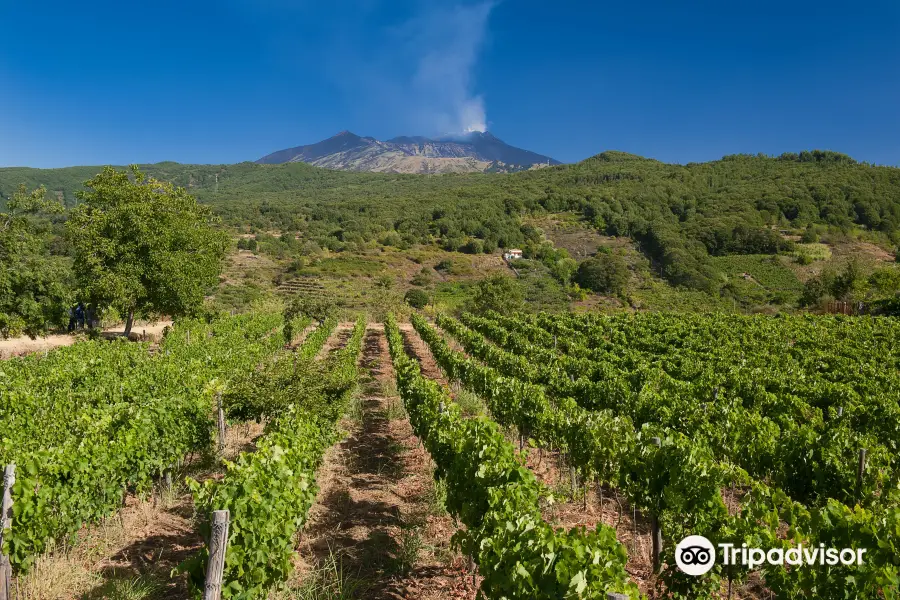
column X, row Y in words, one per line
column 685, row 220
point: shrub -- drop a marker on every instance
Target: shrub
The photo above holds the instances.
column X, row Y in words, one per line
column 604, row 273
column 473, row 247
column 810, row 236
column 422, row 278
column 499, row 293
column 384, row 281
column 417, row 298
column 445, row 266
column 885, row 281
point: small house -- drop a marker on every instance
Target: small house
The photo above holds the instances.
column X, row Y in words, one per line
column 513, row 254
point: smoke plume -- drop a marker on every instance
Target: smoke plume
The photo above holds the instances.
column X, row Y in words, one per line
column 419, row 74
column 449, row 39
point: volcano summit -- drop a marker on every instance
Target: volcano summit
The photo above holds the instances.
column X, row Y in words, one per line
column 457, row 153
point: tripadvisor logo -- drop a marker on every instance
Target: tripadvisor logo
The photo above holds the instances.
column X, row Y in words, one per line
column 696, row 555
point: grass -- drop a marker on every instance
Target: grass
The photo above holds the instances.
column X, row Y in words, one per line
column 436, row 498
column 455, row 265
column 409, row 543
column 452, row 295
column 768, row 270
column 395, row 410
column 127, row 588
column 561, row 489
column 71, row 571
column 657, row 295
column 396, row 450
column 816, row 251
column 389, row 388
column 168, row 495
column 356, row 411
column 342, row 501
column 470, row 404
column 58, row 573
column 330, row 581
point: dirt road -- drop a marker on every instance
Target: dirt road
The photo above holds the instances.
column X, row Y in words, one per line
column 24, row 345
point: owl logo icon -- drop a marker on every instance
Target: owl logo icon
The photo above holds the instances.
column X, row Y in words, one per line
column 695, row 555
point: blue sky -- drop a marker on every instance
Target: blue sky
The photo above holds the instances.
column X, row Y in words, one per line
column 232, row 80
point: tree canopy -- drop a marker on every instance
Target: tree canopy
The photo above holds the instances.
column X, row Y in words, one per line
column 33, row 293
column 143, row 246
column 606, row 273
column 680, row 216
column 498, row 293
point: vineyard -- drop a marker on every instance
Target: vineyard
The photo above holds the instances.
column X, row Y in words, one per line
column 536, row 456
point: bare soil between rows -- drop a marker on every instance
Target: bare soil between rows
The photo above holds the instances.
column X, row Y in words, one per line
column 374, row 512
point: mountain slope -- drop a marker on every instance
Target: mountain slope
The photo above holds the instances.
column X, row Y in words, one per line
column 342, row 142
column 468, row 153
column 683, row 218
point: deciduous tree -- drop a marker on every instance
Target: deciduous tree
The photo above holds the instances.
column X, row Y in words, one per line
column 143, row 246
column 33, row 287
column 499, row 293
column 604, row 273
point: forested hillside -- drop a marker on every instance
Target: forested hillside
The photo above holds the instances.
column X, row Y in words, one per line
column 680, row 215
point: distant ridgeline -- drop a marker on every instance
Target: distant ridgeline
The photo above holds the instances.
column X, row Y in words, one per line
column 680, row 215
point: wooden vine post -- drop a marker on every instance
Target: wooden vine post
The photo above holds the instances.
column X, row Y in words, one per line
column 218, row 543
column 9, row 478
column 860, row 471
column 655, row 530
column 615, row 596
column 221, row 420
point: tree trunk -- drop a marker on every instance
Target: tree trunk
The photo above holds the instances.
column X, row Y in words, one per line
column 129, row 322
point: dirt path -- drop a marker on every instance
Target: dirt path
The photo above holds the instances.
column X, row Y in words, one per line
column 377, row 512
column 337, row 340
column 24, row 345
column 415, row 346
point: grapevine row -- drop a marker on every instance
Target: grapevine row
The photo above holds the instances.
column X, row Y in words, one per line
column 128, row 425
column 790, row 367
column 315, row 340
column 519, row 555
column 269, row 491
column 251, row 396
column 812, row 459
column 678, row 481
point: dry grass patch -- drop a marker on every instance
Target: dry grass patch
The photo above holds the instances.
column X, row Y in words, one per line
column 85, row 570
